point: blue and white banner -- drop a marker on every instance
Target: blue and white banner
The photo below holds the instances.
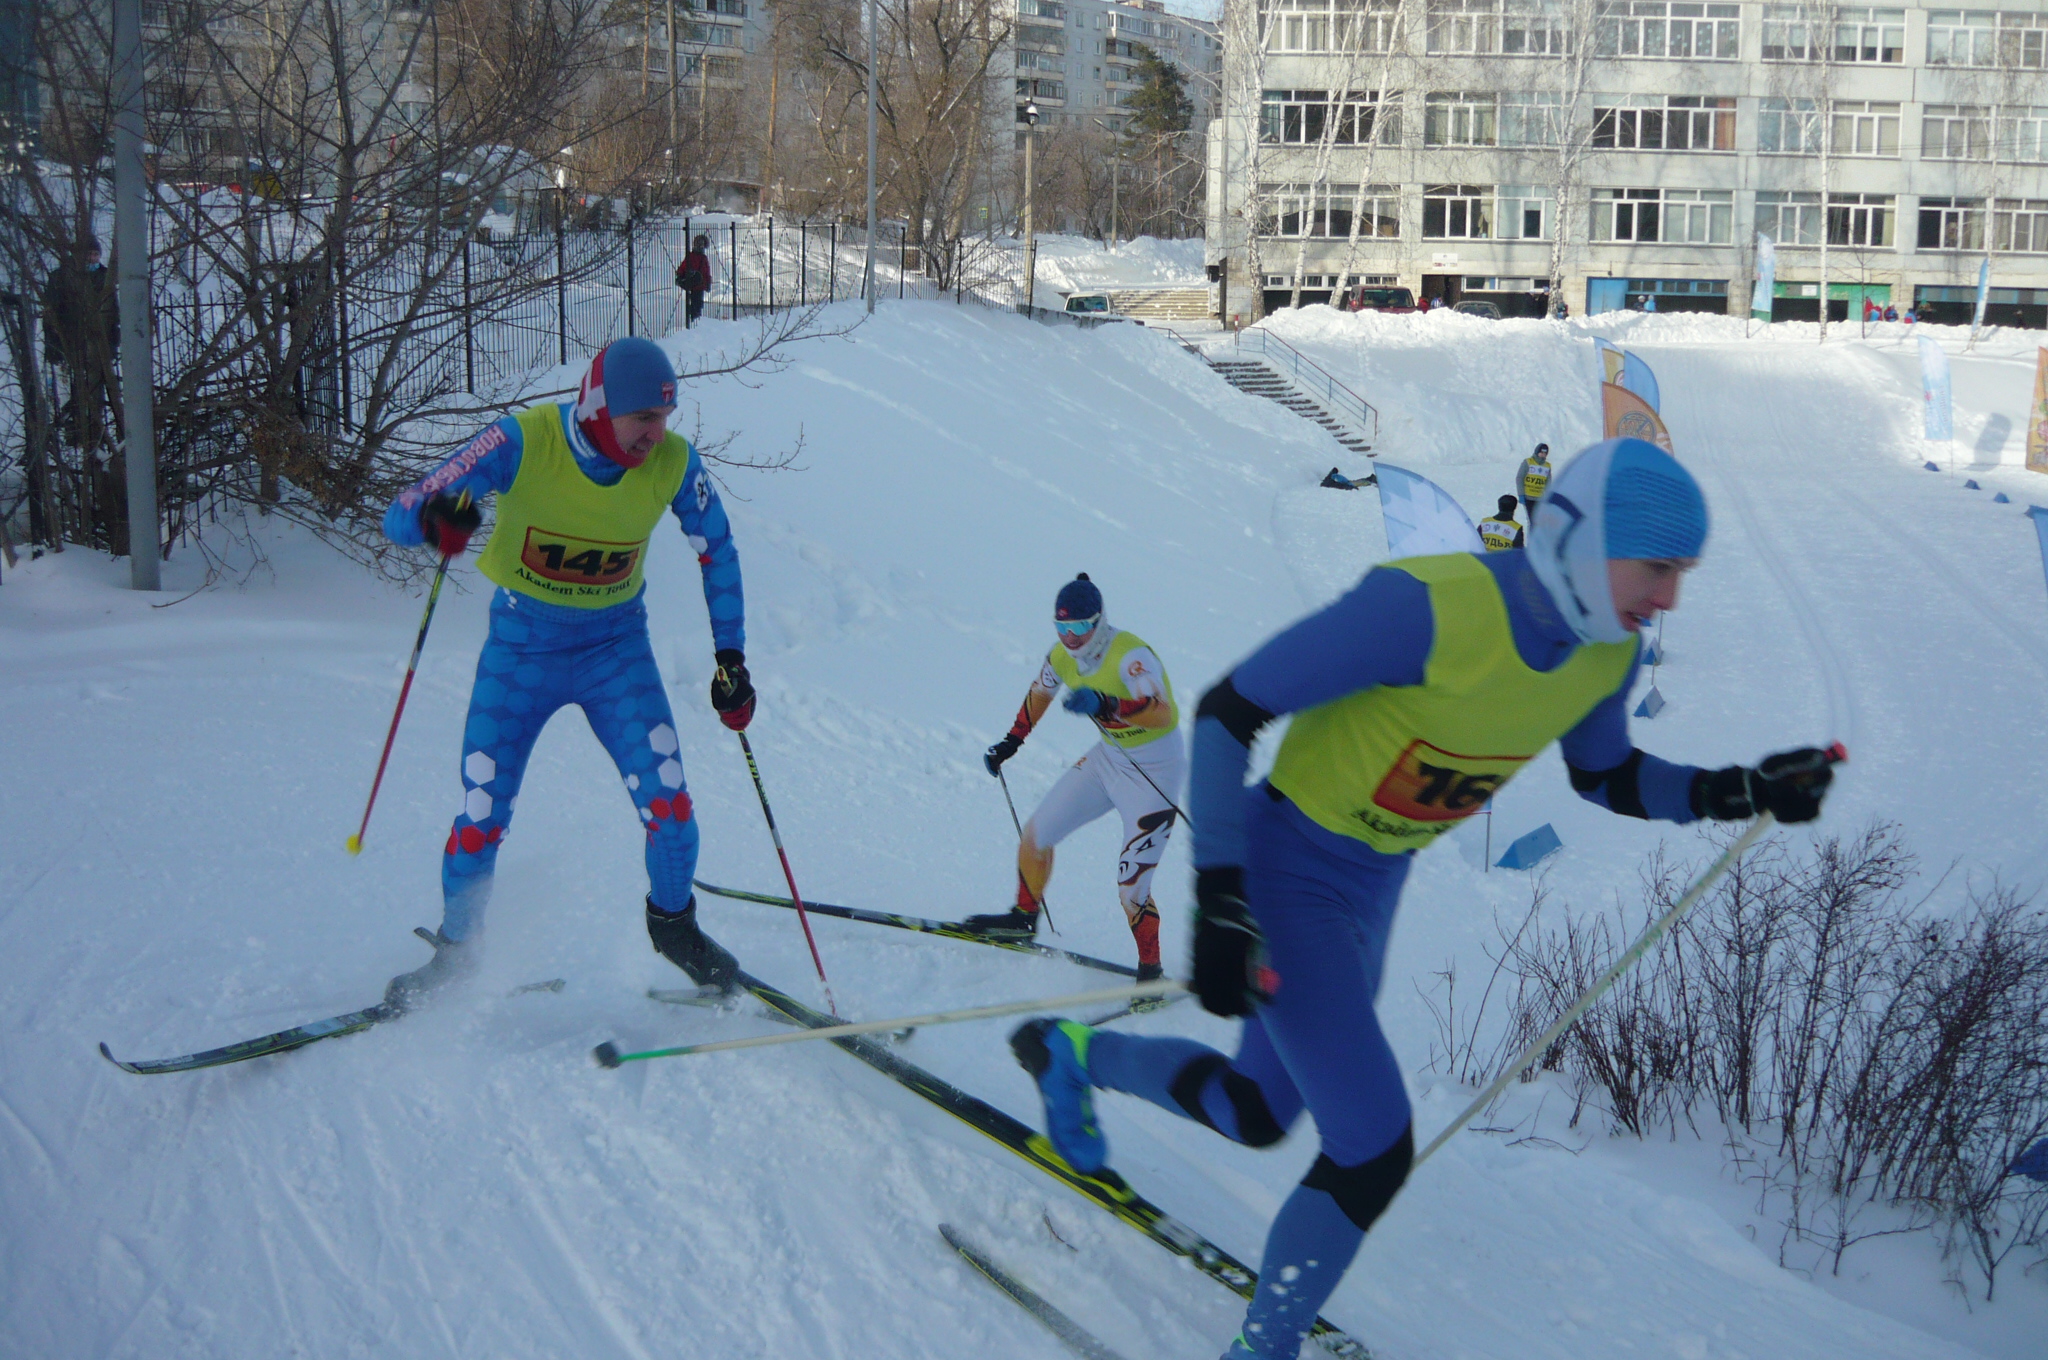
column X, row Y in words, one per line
column 1934, row 389
column 1983, row 295
column 1422, row 519
column 1617, row 365
column 1766, row 278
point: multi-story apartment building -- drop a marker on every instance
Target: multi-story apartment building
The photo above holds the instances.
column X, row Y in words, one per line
column 1636, row 149
column 1077, row 59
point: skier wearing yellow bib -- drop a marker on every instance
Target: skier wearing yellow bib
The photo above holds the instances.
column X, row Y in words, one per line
column 1415, row 697
column 1113, row 678
column 581, row 487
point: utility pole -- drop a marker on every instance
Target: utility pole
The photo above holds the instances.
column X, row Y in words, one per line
column 675, row 127
column 131, row 253
column 868, row 274
column 1030, row 231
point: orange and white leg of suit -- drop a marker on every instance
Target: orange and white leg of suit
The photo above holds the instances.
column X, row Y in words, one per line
column 1141, row 786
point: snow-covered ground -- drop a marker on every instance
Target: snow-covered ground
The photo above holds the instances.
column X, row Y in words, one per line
column 1077, row 264
column 179, row 781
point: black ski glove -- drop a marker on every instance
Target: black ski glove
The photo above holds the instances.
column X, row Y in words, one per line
column 994, row 757
column 732, row 691
column 449, row 522
column 1789, row 785
column 1231, row 974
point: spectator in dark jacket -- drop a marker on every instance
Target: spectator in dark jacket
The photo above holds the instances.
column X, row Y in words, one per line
column 693, row 276
column 81, row 334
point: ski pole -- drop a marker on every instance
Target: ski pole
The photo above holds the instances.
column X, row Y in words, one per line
column 608, row 1055
column 1039, row 898
column 355, row 842
column 802, row 917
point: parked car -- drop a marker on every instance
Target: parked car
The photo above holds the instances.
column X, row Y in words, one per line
column 1485, row 309
column 1365, row 299
column 1090, row 304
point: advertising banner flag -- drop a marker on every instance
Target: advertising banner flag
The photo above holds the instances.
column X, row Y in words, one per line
column 1617, row 365
column 1934, row 390
column 1983, row 296
column 1422, row 519
column 1628, row 416
column 2037, row 418
column 1766, row 278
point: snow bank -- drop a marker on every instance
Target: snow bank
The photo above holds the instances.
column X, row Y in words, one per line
column 1077, row 264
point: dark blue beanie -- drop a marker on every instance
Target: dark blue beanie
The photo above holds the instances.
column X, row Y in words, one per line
column 1078, row 599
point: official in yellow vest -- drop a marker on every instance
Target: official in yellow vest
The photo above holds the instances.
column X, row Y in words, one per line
column 1533, row 478
column 1415, row 697
column 1113, row 678
column 581, row 486
column 1498, row 531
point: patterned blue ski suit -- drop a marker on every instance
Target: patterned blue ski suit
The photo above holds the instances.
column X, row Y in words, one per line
column 542, row 656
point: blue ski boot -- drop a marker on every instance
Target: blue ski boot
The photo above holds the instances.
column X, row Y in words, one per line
column 1055, row 1053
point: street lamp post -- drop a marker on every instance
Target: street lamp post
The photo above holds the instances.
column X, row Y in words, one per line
column 1116, row 166
column 1030, row 230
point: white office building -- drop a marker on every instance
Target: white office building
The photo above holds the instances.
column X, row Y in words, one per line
column 1455, row 147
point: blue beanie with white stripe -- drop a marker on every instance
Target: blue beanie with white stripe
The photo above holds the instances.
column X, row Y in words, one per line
column 1653, row 507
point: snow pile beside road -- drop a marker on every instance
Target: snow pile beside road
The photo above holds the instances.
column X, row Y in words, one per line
column 1079, row 264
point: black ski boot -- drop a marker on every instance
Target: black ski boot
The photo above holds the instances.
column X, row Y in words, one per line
column 678, row 939
column 1014, row 924
column 453, row 961
column 1149, row 972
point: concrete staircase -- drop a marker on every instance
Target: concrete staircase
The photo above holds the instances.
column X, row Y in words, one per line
column 1258, row 378
column 1162, row 304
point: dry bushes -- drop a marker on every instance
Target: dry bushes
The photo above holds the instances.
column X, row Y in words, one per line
column 1871, row 1067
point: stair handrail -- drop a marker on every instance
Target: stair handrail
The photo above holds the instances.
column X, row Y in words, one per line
column 1315, row 378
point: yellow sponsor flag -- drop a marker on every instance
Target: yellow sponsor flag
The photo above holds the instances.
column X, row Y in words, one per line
column 1628, row 416
column 2037, row 419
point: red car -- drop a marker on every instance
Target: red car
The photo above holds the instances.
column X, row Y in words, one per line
column 1382, row 300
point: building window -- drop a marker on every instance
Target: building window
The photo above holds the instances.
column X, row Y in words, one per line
column 1306, row 117
column 1479, row 28
column 1860, row 220
column 1951, row 224
column 1790, row 219
column 1861, row 35
column 1667, row 28
column 1955, row 132
column 2023, row 134
column 1663, row 123
column 1042, row 89
column 1329, row 210
column 1459, row 120
column 1676, row 216
column 1456, row 212
column 1788, row 127
column 1531, row 118
column 1984, row 38
column 2020, row 224
column 1344, row 26
column 1793, row 127
column 1863, row 128
column 1522, row 212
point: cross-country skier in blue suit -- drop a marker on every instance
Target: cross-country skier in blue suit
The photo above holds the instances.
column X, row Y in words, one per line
column 1415, row 697
column 581, row 486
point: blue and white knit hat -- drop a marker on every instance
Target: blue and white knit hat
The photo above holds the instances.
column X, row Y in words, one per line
column 1620, row 498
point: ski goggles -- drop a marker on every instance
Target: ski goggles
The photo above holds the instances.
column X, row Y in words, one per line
column 1077, row 627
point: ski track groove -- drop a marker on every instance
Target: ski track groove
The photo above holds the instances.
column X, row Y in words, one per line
column 586, row 1282
column 1840, row 691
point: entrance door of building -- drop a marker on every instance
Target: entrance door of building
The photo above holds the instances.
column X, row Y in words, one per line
column 1606, row 295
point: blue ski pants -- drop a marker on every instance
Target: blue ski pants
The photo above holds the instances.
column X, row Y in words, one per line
column 532, row 664
column 1326, row 912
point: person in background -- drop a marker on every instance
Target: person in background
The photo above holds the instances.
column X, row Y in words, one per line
column 693, row 276
column 1533, row 478
column 81, row 336
column 1498, row 531
column 1339, row 482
